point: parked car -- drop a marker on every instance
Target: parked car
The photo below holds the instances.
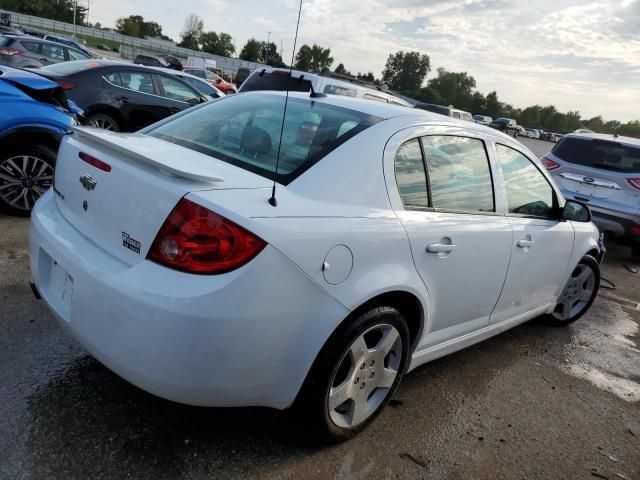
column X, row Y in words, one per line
column 200, row 63
column 277, row 79
column 319, row 295
column 71, row 43
column 34, row 116
column 4, row 30
column 603, row 171
column 174, row 63
column 532, row 133
column 482, row 119
column 102, row 46
column 556, row 137
column 151, row 61
column 448, row 111
column 213, row 79
column 31, row 52
column 241, row 75
column 204, row 87
column 120, row 96
column 505, row 125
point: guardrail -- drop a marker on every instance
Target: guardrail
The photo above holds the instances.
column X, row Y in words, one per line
column 147, row 45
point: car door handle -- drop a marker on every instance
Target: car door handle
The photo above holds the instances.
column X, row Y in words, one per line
column 440, row 247
column 123, row 99
column 526, row 243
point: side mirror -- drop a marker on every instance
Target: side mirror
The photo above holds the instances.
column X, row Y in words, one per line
column 576, row 212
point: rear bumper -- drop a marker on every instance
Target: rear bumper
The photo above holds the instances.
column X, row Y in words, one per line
column 244, row 338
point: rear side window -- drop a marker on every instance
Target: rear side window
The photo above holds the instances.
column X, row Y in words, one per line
column 76, row 54
column 595, row 153
column 202, row 87
column 339, row 90
column 459, row 173
column 244, row 130
column 54, row 52
column 528, row 192
column 410, row 175
column 137, row 81
column 278, row 81
column 176, row 90
column 33, row 47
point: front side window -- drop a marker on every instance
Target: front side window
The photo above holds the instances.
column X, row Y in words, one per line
column 137, row 81
column 528, row 191
column 54, row 52
column 31, row 46
column 410, row 175
column 113, row 77
column 76, row 55
column 339, row 90
column 459, row 173
column 244, row 130
column 177, row 91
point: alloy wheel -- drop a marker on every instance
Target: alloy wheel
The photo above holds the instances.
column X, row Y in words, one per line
column 104, row 123
column 23, row 179
column 576, row 294
column 364, row 375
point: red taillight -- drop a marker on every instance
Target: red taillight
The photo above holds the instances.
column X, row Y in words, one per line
column 196, row 240
column 11, row 51
column 66, row 85
column 635, row 229
column 550, row 164
column 99, row 164
column 635, row 182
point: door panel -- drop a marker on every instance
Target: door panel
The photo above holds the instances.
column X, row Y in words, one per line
column 463, row 260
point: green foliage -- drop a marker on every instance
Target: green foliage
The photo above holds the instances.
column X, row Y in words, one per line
column 217, row 43
column 313, row 59
column 136, row 26
column 405, row 72
column 252, row 51
column 341, row 70
column 192, row 32
column 61, row 10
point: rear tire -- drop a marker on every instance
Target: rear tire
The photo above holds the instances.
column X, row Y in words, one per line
column 26, row 172
column 355, row 375
column 104, row 121
column 578, row 294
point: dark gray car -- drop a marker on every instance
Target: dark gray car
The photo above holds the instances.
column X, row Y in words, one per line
column 24, row 51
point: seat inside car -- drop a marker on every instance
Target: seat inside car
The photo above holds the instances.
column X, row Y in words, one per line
column 255, row 141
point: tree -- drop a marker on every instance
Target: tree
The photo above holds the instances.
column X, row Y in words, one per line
column 136, row 26
column 270, row 55
column 341, row 70
column 494, row 107
column 252, row 51
column 454, row 88
column 218, row 44
column 313, row 59
column 596, row 124
column 191, row 32
column 406, row 71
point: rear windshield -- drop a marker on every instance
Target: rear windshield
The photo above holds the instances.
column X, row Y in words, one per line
column 605, row 154
column 276, row 81
column 244, row 130
column 69, row 68
column 434, row 108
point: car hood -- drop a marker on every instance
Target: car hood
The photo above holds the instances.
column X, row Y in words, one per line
column 28, row 79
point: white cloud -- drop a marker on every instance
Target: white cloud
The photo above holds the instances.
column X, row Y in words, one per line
column 575, row 54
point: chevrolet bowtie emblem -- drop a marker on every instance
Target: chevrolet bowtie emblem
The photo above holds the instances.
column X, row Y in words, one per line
column 87, row 182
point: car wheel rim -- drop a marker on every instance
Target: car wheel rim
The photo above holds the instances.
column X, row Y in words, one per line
column 104, row 123
column 365, row 374
column 23, row 179
column 576, row 294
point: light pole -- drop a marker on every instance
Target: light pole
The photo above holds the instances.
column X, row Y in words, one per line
column 75, row 7
column 266, row 54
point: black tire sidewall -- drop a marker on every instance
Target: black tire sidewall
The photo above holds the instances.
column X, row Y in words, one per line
column 43, row 153
column 312, row 401
column 590, row 262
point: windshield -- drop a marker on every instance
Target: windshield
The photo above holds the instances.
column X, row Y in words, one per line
column 596, row 153
column 244, row 130
column 278, row 81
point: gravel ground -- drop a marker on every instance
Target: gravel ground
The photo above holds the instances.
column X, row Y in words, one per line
column 535, row 402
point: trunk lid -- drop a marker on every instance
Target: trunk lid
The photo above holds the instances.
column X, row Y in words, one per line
column 121, row 201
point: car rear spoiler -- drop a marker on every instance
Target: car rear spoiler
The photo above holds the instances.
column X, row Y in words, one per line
column 128, row 145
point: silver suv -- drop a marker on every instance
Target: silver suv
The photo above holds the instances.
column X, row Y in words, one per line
column 602, row 171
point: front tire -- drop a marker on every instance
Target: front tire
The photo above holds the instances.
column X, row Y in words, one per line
column 355, row 374
column 578, row 294
column 26, row 172
column 104, row 121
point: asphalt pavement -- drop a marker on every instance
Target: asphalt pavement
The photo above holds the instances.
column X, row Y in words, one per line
column 535, row 402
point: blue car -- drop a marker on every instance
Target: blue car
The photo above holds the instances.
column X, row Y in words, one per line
column 34, row 115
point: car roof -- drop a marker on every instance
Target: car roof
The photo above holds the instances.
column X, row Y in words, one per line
column 29, row 38
column 605, row 136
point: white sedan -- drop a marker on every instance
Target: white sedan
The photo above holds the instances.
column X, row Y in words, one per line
column 394, row 237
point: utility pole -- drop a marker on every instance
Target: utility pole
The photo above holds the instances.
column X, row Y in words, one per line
column 266, row 53
column 75, row 7
column 88, row 7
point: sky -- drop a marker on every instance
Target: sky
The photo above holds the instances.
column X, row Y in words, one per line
column 575, row 54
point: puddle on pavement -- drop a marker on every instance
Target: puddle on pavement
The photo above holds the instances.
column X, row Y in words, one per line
column 604, row 349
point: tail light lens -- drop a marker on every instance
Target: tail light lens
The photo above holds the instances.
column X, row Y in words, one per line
column 550, row 164
column 66, row 85
column 11, row 51
column 635, row 182
column 194, row 239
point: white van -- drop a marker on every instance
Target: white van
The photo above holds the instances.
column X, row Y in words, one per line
column 278, row 79
column 202, row 63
